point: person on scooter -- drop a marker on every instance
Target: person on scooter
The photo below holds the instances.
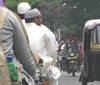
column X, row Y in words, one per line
column 41, row 42
column 14, row 44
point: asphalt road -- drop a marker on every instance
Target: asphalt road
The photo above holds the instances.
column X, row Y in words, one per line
column 67, row 79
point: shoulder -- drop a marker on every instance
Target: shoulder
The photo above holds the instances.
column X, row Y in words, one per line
column 9, row 12
column 11, row 18
column 45, row 28
column 42, row 25
column 12, row 15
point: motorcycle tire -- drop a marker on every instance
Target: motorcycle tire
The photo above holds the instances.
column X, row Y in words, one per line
column 73, row 70
column 73, row 73
column 84, row 80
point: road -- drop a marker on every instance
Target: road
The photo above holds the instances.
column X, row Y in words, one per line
column 67, row 79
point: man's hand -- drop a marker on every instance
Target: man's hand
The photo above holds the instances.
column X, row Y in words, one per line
column 36, row 58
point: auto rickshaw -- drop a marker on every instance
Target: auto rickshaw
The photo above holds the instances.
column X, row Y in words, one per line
column 90, row 71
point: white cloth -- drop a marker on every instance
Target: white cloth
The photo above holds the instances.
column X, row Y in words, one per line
column 50, row 33
column 23, row 21
column 42, row 43
column 35, row 35
column 62, row 47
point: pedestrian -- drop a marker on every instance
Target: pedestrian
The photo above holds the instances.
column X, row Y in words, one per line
column 81, row 52
column 41, row 42
column 14, row 43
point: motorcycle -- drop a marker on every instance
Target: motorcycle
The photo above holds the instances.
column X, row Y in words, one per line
column 72, row 59
column 63, row 64
column 59, row 59
column 40, row 78
column 46, row 73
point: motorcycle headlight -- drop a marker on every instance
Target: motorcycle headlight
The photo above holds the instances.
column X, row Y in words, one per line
column 71, row 54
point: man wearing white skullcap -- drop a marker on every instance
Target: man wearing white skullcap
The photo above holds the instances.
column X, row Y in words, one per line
column 21, row 9
column 40, row 39
column 36, row 12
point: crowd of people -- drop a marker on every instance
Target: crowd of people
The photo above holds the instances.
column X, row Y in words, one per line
column 71, row 45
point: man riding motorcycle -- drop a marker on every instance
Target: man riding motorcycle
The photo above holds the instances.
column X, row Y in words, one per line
column 71, row 46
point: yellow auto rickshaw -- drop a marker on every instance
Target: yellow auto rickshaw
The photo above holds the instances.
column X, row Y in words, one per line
column 91, row 59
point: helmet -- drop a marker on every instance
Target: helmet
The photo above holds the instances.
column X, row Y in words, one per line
column 23, row 7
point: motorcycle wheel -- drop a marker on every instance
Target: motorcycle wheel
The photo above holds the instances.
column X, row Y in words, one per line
column 73, row 73
column 84, row 80
column 73, row 70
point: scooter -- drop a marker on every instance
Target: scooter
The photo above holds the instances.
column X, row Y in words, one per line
column 44, row 72
column 41, row 80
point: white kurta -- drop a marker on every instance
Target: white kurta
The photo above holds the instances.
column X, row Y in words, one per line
column 35, row 35
column 41, row 42
column 50, row 33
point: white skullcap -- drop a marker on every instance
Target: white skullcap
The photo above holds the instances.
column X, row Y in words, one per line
column 23, row 7
column 32, row 13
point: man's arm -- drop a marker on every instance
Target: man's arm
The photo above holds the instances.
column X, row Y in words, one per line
column 50, row 48
column 13, row 36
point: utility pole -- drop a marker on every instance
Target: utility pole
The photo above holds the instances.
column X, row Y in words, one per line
column 59, row 34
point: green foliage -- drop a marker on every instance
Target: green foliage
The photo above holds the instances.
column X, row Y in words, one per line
column 68, row 15
column 12, row 4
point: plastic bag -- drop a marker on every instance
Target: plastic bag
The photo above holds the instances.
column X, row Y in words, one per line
column 47, row 61
column 54, row 72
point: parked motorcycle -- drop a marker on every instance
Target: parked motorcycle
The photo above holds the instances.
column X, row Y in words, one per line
column 72, row 59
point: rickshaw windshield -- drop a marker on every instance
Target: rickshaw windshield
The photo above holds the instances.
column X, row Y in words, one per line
column 96, row 35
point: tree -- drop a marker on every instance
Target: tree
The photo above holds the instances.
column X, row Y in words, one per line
column 67, row 15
